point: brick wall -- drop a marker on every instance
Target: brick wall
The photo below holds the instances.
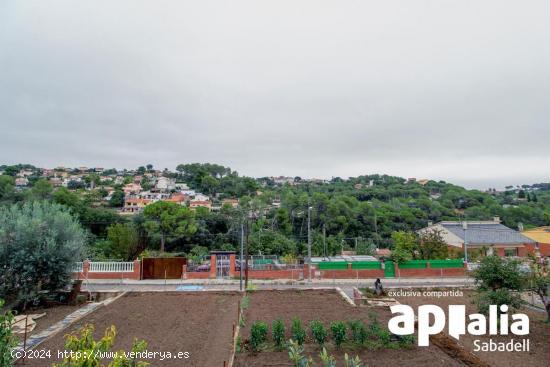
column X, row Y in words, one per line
column 87, row 274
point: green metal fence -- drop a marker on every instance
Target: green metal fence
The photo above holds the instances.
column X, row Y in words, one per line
column 414, row 264
column 440, row 264
column 359, row 265
column 333, row 265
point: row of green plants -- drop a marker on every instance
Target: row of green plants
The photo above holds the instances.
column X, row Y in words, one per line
column 352, row 333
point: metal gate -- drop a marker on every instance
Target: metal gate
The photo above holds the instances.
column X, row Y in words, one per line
column 222, row 266
column 163, row 267
column 389, row 270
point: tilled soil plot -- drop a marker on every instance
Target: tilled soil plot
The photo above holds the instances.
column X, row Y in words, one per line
column 200, row 323
column 327, row 306
column 539, row 333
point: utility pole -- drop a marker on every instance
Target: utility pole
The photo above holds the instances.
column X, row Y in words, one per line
column 241, row 258
column 246, row 255
column 465, row 228
column 324, row 240
column 309, row 241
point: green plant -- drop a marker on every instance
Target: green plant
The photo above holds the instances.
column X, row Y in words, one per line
column 245, row 302
column 298, row 332
column 238, row 343
column 384, row 336
column 318, row 332
column 358, row 331
column 374, row 326
column 7, row 339
column 295, row 353
column 258, row 334
column 326, row 359
column 86, row 351
column 338, row 329
column 353, row 362
column 251, row 287
column 406, row 340
column 278, row 331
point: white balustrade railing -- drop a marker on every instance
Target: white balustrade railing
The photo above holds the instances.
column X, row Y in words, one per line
column 78, row 266
column 112, row 267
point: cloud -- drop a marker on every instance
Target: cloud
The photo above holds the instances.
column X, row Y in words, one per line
column 448, row 90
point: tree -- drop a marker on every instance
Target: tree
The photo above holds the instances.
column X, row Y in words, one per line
column 432, row 246
column 41, row 190
column 124, row 241
column 7, row 187
column 539, row 283
column 168, row 219
column 39, row 243
column 498, row 282
column 117, row 199
column 405, row 244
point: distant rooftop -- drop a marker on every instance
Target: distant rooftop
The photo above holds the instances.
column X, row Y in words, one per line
column 480, row 232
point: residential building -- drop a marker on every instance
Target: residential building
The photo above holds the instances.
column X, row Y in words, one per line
column 200, row 197
column 177, row 198
column 200, row 203
column 134, row 205
column 491, row 237
column 21, row 182
column 541, row 236
column 233, row 202
column 131, row 188
column 165, row 184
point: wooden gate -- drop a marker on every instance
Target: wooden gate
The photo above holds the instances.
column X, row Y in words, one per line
column 163, row 267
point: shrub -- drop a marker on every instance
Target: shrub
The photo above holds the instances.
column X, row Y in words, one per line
column 87, row 350
column 384, row 336
column 258, row 334
column 318, row 332
column 358, row 331
column 7, row 339
column 374, row 325
column 353, row 362
column 39, row 243
column 326, row 359
column 295, row 353
column 338, row 329
column 298, row 331
column 278, row 331
column 406, row 340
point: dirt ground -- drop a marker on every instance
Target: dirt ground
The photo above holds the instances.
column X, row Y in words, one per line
column 53, row 315
column 327, row 306
column 539, row 334
column 200, row 323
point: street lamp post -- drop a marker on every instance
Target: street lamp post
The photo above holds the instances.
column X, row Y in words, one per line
column 309, row 242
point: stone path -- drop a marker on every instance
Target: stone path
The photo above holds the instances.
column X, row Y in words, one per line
column 38, row 338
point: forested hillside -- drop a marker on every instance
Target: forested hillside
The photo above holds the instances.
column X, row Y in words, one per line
column 345, row 213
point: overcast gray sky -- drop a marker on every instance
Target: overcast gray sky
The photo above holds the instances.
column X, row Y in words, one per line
column 455, row 90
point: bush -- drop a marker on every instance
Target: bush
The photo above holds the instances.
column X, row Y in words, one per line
column 295, row 353
column 258, row 334
column 358, row 331
column 278, row 331
column 39, row 244
column 298, row 331
column 326, row 359
column 352, row 362
column 338, row 329
column 318, row 332
column 7, row 339
column 87, row 350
